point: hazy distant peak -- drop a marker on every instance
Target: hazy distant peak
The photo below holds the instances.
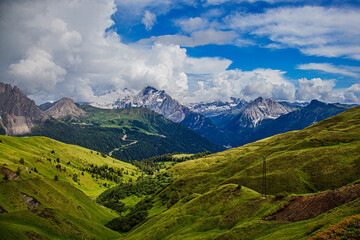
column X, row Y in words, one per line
column 63, row 108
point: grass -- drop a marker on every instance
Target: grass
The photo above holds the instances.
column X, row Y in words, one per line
column 42, row 153
column 64, row 211
column 214, row 197
column 211, row 206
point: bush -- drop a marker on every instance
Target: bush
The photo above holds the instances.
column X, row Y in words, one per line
column 18, row 171
column 116, row 205
column 174, row 198
column 74, row 177
column 136, row 216
column 281, row 196
column 125, row 224
column 22, row 161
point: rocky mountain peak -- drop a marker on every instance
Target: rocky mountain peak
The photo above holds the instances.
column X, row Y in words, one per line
column 316, row 103
column 63, row 108
column 148, row 90
column 18, row 114
column 261, row 109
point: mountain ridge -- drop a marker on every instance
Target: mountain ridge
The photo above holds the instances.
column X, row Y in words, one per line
column 164, row 104
column 65, row 107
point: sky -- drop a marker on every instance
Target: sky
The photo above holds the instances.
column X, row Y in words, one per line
column 195, row 50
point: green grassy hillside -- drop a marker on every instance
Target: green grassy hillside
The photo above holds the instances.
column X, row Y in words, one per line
column 218, row 196
column 50, row 175
column 127, row 134
column 92, row 169
column 64, row 212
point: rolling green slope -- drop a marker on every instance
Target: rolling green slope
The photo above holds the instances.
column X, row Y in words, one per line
column 40, row 188
column 126, row 134
column 218, row 196
column 64, row 212
column 51, row 158
column 320, row 157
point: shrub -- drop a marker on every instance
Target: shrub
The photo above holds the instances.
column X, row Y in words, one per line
column 74, row 177
column 174, row 198
column 281, row 196
column 18, row 171
column 22, row 161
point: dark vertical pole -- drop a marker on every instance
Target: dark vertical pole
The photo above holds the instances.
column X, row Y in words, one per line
column 264, row 178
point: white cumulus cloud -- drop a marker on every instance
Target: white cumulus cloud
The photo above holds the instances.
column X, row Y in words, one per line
column 149, row 20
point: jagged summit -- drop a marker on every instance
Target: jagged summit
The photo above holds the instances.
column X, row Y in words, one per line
column 63, row 108
column 148, row 90
column 18, row 114
column 261, row 109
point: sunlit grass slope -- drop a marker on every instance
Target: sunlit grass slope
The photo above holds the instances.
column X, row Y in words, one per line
column 321, row 157
column 64, row 211
column 218, row 196
column 46, row 155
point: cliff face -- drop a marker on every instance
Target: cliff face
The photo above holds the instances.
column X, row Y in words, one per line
column 17, row 112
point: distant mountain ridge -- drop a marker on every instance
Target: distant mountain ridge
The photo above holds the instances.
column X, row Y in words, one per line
column 231, row 123
column 164, row 104
column 65, row 107
column 299, row 119
column 129, row 134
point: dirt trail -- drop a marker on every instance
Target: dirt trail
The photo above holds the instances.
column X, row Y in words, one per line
column 124, row 137
column 306, row 207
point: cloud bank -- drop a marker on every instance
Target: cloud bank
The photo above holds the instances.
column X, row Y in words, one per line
column 53, row 49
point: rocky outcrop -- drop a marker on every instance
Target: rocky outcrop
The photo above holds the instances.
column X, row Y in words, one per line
column 64, row 108
column 31, row 201
column 18, row 114
column 8, row 173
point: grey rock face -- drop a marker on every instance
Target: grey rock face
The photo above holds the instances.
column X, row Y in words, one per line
column 158, row 101
column 260, row 109
column 31, row 201
column 18, row 113
column 64, row 108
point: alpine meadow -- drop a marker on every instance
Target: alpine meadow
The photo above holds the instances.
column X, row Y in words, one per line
column 180, row 120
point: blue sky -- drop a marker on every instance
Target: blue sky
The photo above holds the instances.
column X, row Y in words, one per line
column 196, row 50
column 182, row 18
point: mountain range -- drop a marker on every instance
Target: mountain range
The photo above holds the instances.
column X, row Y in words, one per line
column 128, row 134
column 226, row 124
column 232, row 123
column 164, row 104
column 312, row 189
